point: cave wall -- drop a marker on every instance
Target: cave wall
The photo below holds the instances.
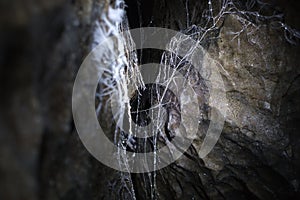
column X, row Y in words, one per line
column 42, row 46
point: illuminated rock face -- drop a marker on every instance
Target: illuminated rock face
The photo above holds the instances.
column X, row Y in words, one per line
column 257, row 156
column 256, row 71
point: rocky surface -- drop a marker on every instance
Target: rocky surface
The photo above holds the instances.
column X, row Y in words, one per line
column 256, row 73
column 42, row 157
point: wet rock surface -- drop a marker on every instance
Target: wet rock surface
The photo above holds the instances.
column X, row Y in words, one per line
column 42, row 157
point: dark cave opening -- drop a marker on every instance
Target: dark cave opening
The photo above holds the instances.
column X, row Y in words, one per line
column 139, row 13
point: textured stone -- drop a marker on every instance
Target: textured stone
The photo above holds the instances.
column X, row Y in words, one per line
column 42, row 157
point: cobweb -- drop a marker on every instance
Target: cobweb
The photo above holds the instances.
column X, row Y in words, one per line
column 124, row 77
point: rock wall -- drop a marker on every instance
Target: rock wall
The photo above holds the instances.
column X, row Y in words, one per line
column 42, row 46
